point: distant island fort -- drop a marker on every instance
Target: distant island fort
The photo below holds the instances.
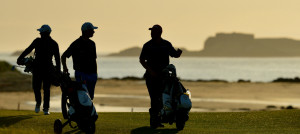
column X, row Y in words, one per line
column 235, row 45
column 245, row 45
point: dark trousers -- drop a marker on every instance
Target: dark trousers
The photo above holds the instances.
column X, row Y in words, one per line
column 39, row 79
column 155, row 90
column 89, row 79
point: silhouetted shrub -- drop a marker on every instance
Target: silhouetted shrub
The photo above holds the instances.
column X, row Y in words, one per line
column 296, row 79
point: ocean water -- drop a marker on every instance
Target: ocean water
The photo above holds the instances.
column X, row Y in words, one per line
column 196, row 68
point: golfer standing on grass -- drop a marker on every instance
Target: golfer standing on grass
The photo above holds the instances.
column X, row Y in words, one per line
column 154, row 58
column 45, row 48
column 83, row 52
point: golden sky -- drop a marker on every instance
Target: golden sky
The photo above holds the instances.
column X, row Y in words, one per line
column 124, row 23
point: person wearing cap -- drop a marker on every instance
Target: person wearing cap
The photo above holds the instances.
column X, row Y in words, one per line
column 83, row 52
column 154, row 58
column 45, row 48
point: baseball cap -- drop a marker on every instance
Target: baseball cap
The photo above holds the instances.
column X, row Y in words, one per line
column 87, row 26
column 156, row 27
column 45, row 28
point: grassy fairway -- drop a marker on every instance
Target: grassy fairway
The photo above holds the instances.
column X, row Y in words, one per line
column 265, row 122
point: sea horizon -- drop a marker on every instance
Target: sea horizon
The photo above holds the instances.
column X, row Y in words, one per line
column 231, row 69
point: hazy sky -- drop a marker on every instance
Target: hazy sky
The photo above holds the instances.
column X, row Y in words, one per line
column 125, row 23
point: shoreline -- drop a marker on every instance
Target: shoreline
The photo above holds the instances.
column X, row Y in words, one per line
column 213, row 95
column 115, row 95
column 55, row 105
column 225, row 70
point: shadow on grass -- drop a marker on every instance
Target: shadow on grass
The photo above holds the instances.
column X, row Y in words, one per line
column 74, row 131
column 148, row 130
column 10, row 120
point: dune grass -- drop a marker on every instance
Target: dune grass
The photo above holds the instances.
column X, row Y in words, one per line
column 263, row 122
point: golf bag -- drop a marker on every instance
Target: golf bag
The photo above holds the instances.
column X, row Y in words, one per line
column 76, row 106
column 176, row 99
column 54, row 73
column 28, row 63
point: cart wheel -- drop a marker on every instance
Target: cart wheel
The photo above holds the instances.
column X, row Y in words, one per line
column 90, row 129
column 180, row 120
column 180, row 125
column 93, row 127
column 57, row 126
column 64, row 107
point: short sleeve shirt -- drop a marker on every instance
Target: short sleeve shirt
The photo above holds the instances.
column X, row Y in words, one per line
column 84, row 55
column 157, row 54
column 45, row 49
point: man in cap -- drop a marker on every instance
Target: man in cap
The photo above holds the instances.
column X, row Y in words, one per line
column 45, row 48
column 83, row 52
column 154, row 58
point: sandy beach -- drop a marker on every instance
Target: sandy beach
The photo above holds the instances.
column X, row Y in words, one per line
column 132, row 95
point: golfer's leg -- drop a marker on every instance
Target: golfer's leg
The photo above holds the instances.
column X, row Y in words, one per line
column 46, row 88
column 37, row 85
column 91, row 83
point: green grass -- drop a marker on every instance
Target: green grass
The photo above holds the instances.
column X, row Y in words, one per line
column 264, row 122
column 5, row 66
column 12, row 80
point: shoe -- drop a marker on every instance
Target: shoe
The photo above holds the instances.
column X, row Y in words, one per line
column 46, row 112
column 155, row 119
column 155, row 123
column 37, row 109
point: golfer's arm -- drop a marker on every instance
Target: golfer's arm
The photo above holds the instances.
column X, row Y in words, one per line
column 57, row 58
column 177, row 53
column 26, row 51
column 144, row 64
column 63, row 62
